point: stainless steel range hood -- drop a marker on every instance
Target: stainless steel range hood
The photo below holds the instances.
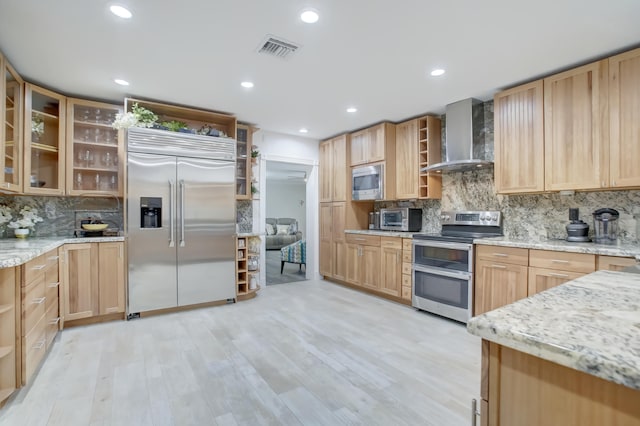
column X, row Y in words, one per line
column 465, row 141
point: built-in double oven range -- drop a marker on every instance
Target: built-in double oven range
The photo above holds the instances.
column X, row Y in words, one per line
column 442, row 268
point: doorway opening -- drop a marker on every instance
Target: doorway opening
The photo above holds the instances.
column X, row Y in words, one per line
column 286, row 224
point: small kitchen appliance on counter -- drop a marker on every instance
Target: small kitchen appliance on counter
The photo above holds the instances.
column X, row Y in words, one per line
column 402, row 219
column 577, row 230
column 374, row 220
column 605, row 226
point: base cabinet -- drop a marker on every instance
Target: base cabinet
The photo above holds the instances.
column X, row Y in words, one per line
column 391, row 261
column 7, row 333
column 498, row 284
column 93, row 279
column 521, row 389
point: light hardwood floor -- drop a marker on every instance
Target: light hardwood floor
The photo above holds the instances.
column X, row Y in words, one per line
column 311, row 353
column 290, row 273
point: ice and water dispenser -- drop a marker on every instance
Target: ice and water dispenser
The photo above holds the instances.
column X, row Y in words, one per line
column 150, row 212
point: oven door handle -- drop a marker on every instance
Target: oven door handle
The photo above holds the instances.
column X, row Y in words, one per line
column 442, row 244
column 445, row 273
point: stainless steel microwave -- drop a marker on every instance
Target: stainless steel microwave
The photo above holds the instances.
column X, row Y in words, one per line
column 367, row 182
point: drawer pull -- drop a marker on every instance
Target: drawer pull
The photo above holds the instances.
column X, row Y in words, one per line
column 39, row 300
column 55, row 321
column 40, row 344
column 52, row 258
column 500, row 255
column 52, row 285
column 498, row 267
column 39, row 267
column 559, row 261
column 553, row 274
column 359, row 239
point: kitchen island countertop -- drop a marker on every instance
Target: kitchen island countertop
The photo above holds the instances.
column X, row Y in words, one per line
column 590, row 324
column 15, row 252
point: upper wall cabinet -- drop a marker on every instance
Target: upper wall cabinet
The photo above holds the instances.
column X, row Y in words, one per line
column 11, row 90
column 519, row 139
column 243, row 162
column 44, row 137
column 334, row 179
column 372, row 144
column 417, row 146
column 576, row 124
column 95, row 153
column 624, row 113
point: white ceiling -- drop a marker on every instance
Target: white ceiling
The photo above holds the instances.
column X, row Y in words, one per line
column 373, row 54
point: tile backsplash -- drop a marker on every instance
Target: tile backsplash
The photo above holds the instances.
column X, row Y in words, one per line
column 61, row 215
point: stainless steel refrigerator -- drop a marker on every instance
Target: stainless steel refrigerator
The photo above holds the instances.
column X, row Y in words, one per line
column 180, row 219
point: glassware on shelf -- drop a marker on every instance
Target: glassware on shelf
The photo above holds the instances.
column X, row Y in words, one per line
column 114, row 184
column 86, row 135
column 107, row 160
column 98, row 115
column 79, row 180
column 98, row 136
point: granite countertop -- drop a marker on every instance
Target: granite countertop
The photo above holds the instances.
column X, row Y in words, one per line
column 15, row 252
column 381, row 233
column 620, row 249
column 590, row 324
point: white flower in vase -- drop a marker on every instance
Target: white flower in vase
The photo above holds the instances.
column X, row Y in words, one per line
column 28, row 220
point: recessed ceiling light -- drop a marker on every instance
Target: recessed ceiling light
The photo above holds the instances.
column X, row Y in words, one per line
column 437, row 72
column 303, row 130
column 310, row 16
column 121, row 82
column 121, row 12
column 246, row 84
column 352, row 109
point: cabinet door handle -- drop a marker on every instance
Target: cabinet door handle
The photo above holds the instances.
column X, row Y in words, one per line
column 500, row 255
column 498, row 267
column 39, row 300
column 613, row 183
column 559, row 261
column 40, row 344
column 553, row 274
column 39, row 267
column 54, row 321
column 52, row 285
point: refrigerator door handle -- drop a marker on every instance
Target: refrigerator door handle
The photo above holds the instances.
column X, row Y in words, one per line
column 172, row 206
column 182, row 190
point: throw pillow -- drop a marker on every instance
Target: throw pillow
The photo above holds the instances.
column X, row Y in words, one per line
column 293, row 228
column 270, row 230
column 282, row 229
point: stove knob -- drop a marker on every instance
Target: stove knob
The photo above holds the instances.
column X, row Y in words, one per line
column 494, row 217
column 482, row 217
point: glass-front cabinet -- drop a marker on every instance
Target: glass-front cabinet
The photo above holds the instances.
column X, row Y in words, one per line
column 44, row 142
column 11, row 131
column 243, row 162
column 95, row 154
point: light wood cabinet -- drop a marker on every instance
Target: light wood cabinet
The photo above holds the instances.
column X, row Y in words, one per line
column 111, row 278
column 519, row 139
column 500, row 278
column 541, row 279
column 624, row 113
column 44, row 141
column 363, row 260
column 563, row 261
column 11, row 140
column 407, row 257
column 95, row 150
column 8, row 348
column 521, row 389
column 417, row 146
column 80, row 281
column 391, row 261
column 333, row 170
column 373, row 144
column 243, row 161
column 614, row 263
column 40, row 315
column 333, row 261
column 576, row 125
column 93, row 280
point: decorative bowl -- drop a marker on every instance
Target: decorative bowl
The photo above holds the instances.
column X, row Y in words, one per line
column 94, row 226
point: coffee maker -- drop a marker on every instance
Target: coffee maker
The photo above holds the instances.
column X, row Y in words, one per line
column 374, row 220
column 605, row 226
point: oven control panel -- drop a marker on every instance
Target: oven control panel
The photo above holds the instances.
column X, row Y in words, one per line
column 477, row 218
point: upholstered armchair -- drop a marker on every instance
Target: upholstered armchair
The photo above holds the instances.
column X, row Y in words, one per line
column 294, row 253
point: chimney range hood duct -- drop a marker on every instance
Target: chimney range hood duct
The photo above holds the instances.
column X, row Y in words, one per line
column 465, row 141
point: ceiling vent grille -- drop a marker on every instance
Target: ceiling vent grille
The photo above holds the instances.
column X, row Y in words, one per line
column 277, row 47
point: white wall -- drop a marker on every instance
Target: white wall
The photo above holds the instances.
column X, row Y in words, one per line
column 287, row 199
column 297, row 150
